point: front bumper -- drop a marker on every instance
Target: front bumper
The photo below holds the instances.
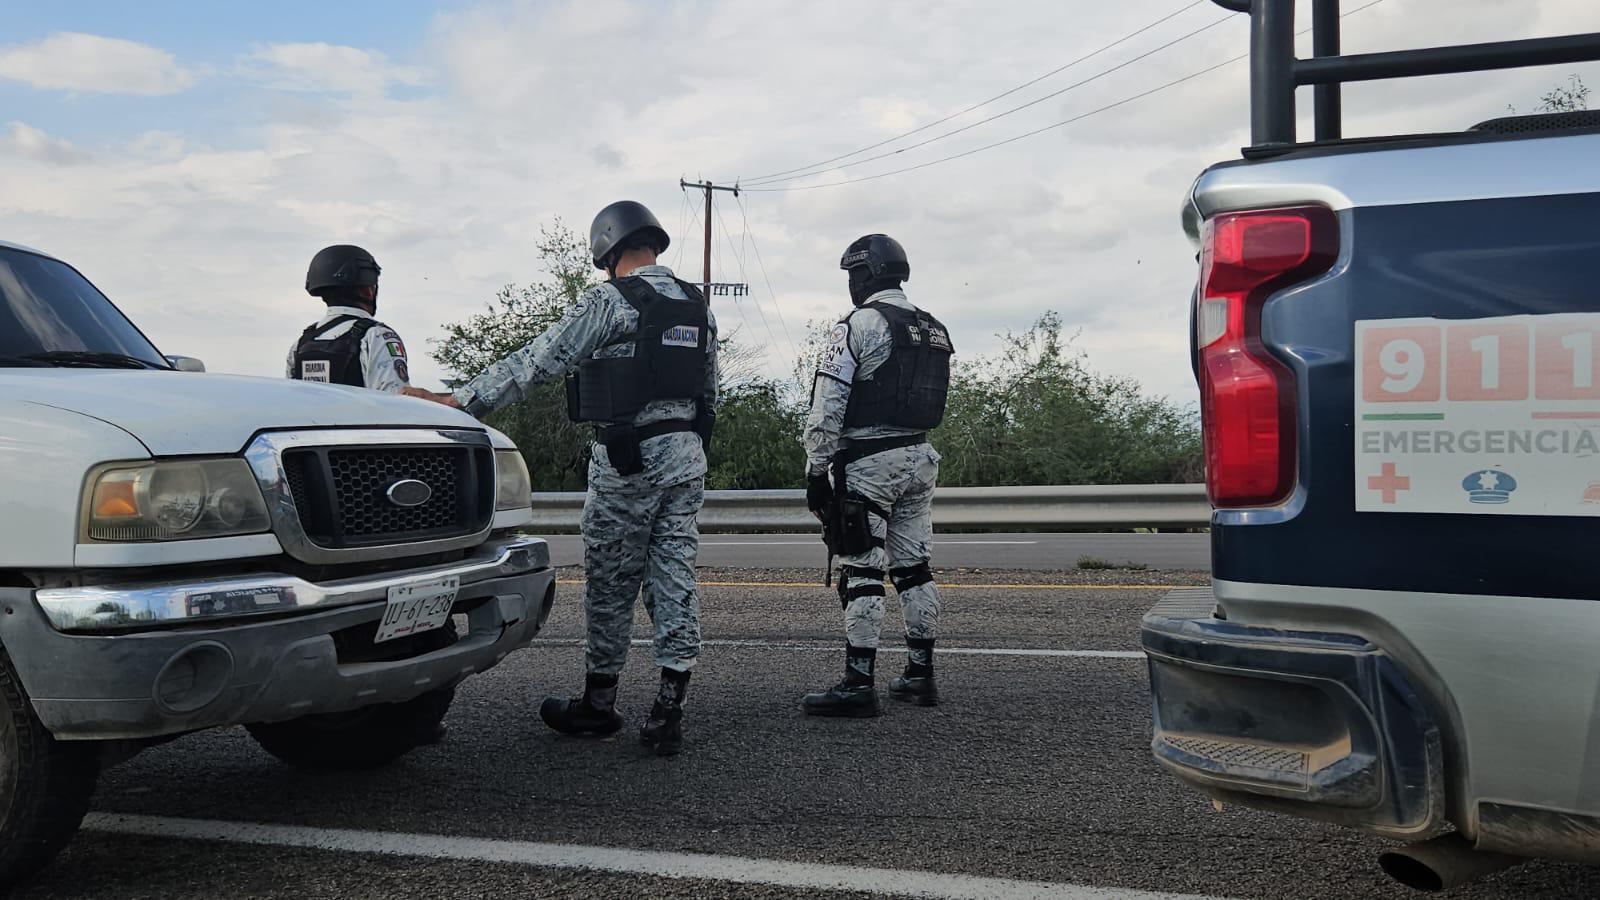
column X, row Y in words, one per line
column 185, row 672
column 99, row 609
column 1319, row 725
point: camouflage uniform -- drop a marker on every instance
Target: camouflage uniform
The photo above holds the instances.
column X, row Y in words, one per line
column 900, row 481
column 638, row 530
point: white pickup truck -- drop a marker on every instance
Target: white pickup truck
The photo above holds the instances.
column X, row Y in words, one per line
column 180, row 551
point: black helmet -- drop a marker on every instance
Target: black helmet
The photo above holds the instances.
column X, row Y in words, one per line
column 618, row 222
column 342, row 265
column 881, row 255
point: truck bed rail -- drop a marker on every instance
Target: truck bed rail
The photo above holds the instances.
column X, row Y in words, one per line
column 1275, row 72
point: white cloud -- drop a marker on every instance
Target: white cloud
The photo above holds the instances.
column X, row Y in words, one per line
column 71, row 61
column 607, row 156
column 22, row 141
column 162, row 145
column 534, row 110
column 327, row 67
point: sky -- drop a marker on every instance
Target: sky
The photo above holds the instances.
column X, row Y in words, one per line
column 191, row 157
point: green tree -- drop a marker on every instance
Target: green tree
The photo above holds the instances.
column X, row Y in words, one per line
column 758, row 439
column 1034, row 413
column 1570, row 97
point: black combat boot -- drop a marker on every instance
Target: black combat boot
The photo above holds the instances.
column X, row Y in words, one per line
column 854, row 697
column 594, row 713
column 917, row 684
column 662, row 729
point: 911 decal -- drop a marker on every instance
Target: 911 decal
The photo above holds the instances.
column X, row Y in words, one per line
column 1491, row 416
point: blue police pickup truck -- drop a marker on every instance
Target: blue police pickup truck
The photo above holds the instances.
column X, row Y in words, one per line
column 1397, row 342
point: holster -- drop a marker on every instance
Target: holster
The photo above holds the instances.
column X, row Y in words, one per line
column 622, row 448
column 845, row 525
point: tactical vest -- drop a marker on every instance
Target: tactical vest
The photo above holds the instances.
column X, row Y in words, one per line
column 336, row 360
column 910, row 388
column 671, row 352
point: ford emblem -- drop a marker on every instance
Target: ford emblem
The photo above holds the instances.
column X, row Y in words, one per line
column 408, row 492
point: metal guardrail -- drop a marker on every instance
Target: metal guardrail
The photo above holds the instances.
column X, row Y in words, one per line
column 1031, row 508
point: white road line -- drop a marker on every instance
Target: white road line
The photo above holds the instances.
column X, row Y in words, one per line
column 734, row 869
column 811, row 543
column 817, row 543
column 984, row 543
column 834, row 648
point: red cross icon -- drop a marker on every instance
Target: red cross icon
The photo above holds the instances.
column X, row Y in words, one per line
column 1390, row 483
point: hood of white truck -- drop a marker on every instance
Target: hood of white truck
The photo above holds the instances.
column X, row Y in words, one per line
column 182, row 413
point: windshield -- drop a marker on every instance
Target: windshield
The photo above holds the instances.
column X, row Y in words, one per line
column 50, row 314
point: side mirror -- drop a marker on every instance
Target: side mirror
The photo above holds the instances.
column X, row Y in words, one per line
column 186, row 364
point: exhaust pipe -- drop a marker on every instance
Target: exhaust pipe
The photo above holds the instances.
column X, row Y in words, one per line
column 1442, row 863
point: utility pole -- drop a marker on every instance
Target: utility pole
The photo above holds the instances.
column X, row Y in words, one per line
column 711, row 287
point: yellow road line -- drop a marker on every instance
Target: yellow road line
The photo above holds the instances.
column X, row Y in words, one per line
column 946, row 586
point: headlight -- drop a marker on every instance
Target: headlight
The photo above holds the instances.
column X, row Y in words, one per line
column 515, row 487
column 170, row 501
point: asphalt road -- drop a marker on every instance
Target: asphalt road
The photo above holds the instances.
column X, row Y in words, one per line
column 1035, row 769
column 972, row 551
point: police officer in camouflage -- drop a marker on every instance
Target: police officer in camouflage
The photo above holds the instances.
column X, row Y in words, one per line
column 882, row 385
column 348, row 345
column 640, row 355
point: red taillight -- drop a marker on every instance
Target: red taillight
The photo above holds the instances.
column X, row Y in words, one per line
column 1247, row 397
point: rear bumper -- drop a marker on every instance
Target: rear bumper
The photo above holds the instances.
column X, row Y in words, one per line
column 1314, row 724
column 256, row 669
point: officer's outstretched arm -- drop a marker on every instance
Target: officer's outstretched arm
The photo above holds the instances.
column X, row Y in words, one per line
column 592, row 322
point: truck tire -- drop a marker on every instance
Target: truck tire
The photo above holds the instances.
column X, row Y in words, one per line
column 363, row 738
column 45, row 784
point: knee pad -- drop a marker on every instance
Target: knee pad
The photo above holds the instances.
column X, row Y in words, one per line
column 872, row 589
column 908, row 577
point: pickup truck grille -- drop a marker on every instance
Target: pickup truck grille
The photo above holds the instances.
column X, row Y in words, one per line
column 362, row 476
column 341, row 493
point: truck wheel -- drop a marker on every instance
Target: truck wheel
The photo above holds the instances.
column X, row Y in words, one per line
column 45, row 784
column 363, row 738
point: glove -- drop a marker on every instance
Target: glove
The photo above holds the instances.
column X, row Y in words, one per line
column 819, row 492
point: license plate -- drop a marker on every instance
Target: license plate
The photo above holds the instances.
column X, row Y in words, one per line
column 415, row 608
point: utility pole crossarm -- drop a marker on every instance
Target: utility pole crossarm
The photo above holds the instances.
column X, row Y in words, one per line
column 707, row 284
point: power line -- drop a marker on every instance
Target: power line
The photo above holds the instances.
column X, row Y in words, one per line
column 694, row 222
column 743, row 318
column 1000, row 96
column 759, row 311
column 736, row 305
column 1037, row 131
column 770, row 292
column 1016, row 109
column 683, row 218
column 744, row 251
